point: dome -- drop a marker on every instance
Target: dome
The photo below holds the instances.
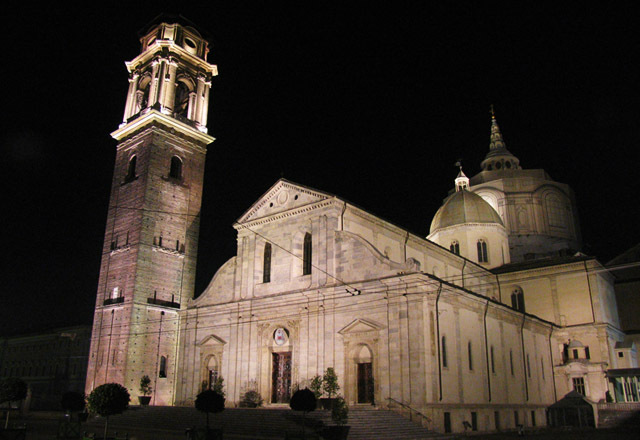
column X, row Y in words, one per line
column 464, row 207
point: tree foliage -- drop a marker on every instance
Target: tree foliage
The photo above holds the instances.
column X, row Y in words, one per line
column 303, row 400
column 11, row 389
column 145, row 385
column 209, row 401
column 108, row 399
column 340, row 411
column 330, row 382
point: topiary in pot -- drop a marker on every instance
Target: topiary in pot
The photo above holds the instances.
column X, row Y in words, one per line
column 107, row 400
column 146, row 390
column 330, row 386
column 12, row 389
column 305, row 401
column 209, row 401
column 339, row 415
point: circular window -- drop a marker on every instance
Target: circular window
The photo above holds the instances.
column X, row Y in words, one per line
column 498, row 165
column 190, row 45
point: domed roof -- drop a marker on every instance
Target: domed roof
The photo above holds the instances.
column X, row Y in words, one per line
column 464, row 207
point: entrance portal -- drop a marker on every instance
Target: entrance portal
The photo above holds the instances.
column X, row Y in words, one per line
column 281, row 377
column 365, row 383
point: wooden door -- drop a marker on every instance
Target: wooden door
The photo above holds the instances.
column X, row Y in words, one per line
column 365, row 383
column 281, row 378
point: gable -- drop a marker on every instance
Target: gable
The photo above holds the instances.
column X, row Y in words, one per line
column 281, row 197
column 359, row 326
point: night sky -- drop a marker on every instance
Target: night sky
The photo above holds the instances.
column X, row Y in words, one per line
column 372, row 104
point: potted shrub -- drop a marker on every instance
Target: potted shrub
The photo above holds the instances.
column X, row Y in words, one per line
column 146, row 390
column 250, row 399
column 208, row 401
column 339, row 415
column 305, row 401
column 330, row 387
column 107, row 400
column 12, row 390
column 315, row 385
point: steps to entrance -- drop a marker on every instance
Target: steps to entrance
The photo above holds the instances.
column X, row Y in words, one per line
column 261, row 423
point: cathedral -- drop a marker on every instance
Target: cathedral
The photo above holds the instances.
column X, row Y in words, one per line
column 491, row 318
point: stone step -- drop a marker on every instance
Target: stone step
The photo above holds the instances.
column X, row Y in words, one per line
column 266, row 423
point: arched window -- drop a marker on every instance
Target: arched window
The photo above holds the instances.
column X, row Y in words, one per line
column 306, row 258
column 517, row 299
column 175, row 172
column 181, row 104
column 131, row 170
column 455, row 247
column 162, row 372
column 483, row 256
column 556, row 211
column 444, row 352
column 266, row 268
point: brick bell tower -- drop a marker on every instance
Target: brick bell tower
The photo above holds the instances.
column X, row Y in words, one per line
column 148, row 263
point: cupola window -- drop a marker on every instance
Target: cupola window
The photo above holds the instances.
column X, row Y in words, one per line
column 455, row 247
column 517, row 299
column 483, row 255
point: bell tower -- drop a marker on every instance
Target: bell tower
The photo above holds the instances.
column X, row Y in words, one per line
column 147, row 272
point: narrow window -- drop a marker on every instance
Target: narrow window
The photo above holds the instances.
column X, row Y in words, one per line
column 575, row 353
column 447, row 422
column 517, row 299
column 533, row 418
column 455, row 247
column 444, row 352
column 306, row 259
column 131, row 170
column 493, row 364
column 474, row 421
column 528, row 367
column 516, row 418
column 266, row 267
column 542, row 367
column 511, row 361
column 163, row 367
column 586, row 353
column 483, row 256
column 175, row 172
column 470, row 355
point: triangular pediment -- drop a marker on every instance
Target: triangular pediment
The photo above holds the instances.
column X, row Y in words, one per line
column 360, row 326
column 281, row 197
column 212, row 340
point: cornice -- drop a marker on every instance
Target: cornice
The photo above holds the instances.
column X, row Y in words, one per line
column 289, row 213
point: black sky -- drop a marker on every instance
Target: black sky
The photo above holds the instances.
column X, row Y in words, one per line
column 374, row 104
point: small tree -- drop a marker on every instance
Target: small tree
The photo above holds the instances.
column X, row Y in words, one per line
column 340, row 411
column 218, row 386
column 209, row 401
column 330, row 382
column 12, row 389
column 315, row 385
column 145, row 385
column 107, row 400
column 305, row 401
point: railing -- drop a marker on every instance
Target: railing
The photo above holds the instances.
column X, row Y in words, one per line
column 163, row 303
column 423, row 418
column 109, row 301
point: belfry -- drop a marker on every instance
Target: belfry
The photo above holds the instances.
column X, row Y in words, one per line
column 151, row 238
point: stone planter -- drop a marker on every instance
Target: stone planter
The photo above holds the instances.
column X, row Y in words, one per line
column 144, row 400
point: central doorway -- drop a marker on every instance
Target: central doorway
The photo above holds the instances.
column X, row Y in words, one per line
column 365, row 382
column 281, row 377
